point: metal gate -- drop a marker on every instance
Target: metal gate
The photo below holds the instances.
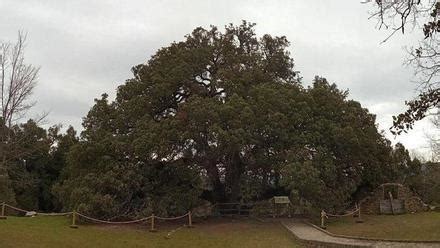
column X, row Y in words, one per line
column 233, row 209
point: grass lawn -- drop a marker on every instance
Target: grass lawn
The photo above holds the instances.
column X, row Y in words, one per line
column 55, row 232
column 420, row 226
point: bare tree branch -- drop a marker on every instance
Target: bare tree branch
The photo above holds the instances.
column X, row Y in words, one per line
column 425, row 59
column 18, row 81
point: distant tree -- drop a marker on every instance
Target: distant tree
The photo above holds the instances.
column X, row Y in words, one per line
column 42, row 158
column 27, row 171
column 61, row 145
column 17, row 81
column 426, row 183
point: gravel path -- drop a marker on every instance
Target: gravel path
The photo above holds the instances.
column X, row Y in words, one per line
column 306, row 232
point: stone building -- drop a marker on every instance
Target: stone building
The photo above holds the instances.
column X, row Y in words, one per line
column 392, row 198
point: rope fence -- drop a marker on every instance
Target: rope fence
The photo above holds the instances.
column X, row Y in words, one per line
column 355, row 213
column 111, row 222
column 76, row 216
column 33, row 212
column 54, row 214
column 172, row 218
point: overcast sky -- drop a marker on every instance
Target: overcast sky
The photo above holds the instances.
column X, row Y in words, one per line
column 86, row 48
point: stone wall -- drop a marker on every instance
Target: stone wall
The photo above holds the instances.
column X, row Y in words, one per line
column 411, row 202
column 371, row 203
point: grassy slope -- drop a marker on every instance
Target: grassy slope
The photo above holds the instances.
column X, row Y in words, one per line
column 421, row 226
column 55, row 232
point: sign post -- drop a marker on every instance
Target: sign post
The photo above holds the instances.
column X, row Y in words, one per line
column 283, row 201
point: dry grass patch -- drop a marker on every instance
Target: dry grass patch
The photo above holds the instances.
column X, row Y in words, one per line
column 420, row 226
column 55, row 232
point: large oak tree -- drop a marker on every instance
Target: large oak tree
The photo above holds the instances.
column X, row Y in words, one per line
column 215, row 113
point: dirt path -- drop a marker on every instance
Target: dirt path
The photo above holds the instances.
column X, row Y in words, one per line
column 312, row 235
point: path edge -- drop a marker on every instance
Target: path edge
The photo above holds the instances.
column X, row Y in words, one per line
column 372, row 239
column 316, row 243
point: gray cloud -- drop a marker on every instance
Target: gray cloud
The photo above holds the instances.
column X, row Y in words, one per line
column 86, row 48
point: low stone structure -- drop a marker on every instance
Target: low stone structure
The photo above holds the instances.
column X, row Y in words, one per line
column 204, row 210
column 392, row 198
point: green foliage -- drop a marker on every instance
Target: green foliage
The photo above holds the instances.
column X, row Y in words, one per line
column 426, row 183
column 28, row 168
column 6, row 191
column 104, row 178
column 341, row 152
column 123, row 190
column 33, row 160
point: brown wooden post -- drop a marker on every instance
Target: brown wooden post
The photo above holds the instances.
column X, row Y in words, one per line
column 73, row 220
column 322, row 219
column 359, row 219
column 2, row 216
column 356, row 212
column 383, row 191
column 152, row 229
column 190, row 223
column 274, row 208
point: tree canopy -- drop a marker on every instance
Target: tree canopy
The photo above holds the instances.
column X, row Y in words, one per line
column 222, row 116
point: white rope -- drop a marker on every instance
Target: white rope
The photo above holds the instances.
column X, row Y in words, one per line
column 113, row 222
column 17, row 209
column 37, row 213
column 54, row 214
column 171, row 218
column 342, row 215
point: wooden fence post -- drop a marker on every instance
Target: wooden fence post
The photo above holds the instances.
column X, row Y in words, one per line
column 2, row 216
column 73, row 220
column 322, row 219
column 274, row 210
column 152, row 229
column 190, row 225
column 359, row 219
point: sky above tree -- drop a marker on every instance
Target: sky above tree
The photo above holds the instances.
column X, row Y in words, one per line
column 86, row 48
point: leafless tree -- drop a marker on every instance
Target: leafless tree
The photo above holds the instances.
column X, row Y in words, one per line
column 399, row 15
column 17, row 82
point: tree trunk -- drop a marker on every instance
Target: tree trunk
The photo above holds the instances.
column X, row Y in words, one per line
column 233, row 178
column 214, row 176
